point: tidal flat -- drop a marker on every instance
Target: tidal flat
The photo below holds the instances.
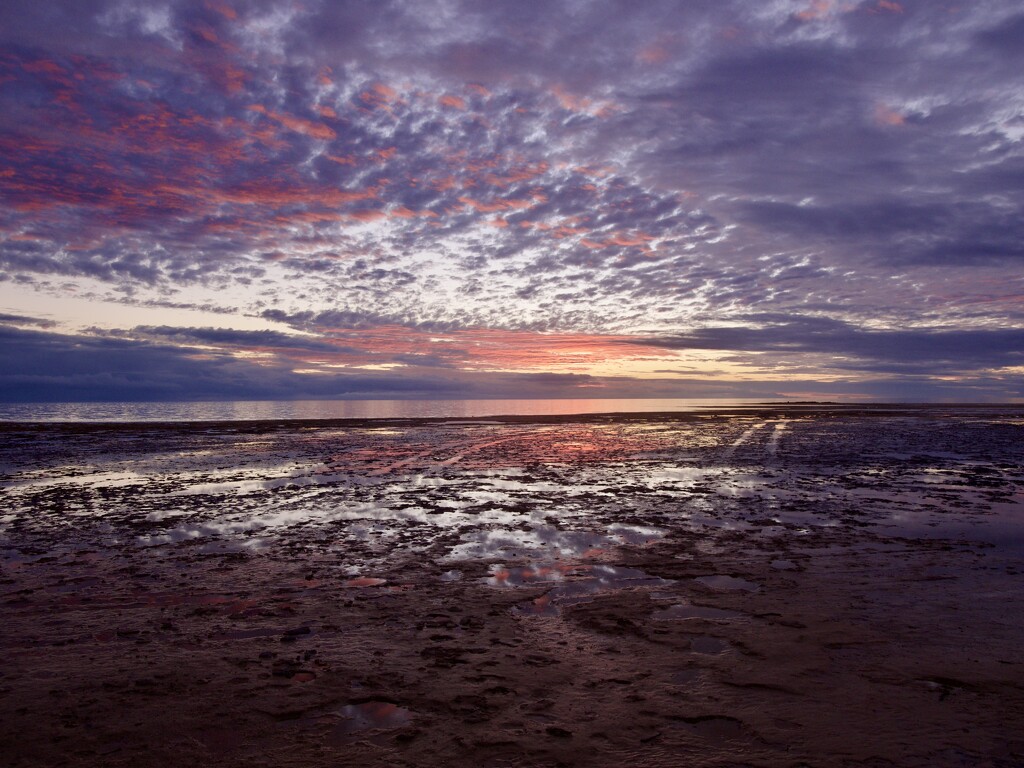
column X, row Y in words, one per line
column 757, row 586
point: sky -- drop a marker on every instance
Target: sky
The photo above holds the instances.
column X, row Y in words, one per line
column 246, row 199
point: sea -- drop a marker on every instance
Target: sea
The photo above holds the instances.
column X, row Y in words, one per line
column 272, row 410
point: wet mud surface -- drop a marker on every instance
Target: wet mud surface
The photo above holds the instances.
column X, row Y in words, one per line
column 768, row 587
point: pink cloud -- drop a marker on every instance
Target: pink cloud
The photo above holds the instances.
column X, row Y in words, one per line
column 818, row 9
column 886, row 116
column 889, row 5
column 453, row 101
column 498, row 205
column 297, row 124
column 223, row 9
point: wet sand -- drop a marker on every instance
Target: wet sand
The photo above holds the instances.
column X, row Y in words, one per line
column 774, row 586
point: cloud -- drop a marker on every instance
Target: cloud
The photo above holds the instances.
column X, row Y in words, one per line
column 924, row 351
column 47, row 367
column 1005, row 38
column 9, row 319
column 597, row 170
column 42, row 367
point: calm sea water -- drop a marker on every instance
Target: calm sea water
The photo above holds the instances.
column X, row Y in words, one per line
column 255, row 410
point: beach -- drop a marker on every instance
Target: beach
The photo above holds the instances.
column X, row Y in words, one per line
column 773, row 585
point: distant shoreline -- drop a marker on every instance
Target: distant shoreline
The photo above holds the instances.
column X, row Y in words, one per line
column 802, row 410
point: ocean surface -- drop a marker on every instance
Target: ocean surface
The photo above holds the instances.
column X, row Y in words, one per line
column 258, row 410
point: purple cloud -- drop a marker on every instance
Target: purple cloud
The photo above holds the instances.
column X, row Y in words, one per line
column 582, row 169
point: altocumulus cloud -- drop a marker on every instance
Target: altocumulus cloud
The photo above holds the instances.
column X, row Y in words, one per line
column 679, row 173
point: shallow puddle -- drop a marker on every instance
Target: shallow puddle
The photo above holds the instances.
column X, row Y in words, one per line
column 539, row 540
column 528, row 575
column 365, row 581
column 634, row 534
column 686, row 677
column 370, row 715
column 585, row 583
column 708, row 645
column 727, row 583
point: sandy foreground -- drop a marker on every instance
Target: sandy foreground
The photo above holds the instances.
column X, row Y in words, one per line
column 768, row 587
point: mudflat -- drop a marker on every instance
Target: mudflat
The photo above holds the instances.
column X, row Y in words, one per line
column 764, row 586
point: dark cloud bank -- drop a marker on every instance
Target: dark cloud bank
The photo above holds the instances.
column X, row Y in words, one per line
column 40, row 366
